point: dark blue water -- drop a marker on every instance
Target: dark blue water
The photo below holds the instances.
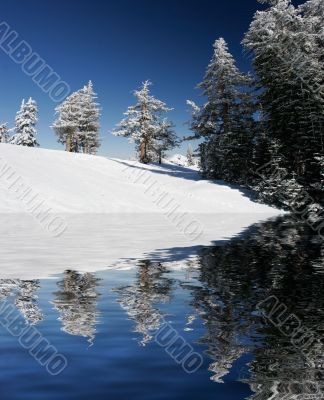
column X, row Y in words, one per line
column 112, row 327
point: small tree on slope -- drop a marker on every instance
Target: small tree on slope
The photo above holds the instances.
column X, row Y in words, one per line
column 26, row 119
column 190, row 156
column 4, row 133
column 142, row 121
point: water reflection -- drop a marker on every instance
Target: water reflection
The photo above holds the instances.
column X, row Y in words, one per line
column 76, row 302
column 139, row 299
column 25, row 298
column 283, row 259
column 222, row 287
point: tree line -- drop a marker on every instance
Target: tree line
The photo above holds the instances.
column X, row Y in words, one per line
column 265, row 131
column 76, row 126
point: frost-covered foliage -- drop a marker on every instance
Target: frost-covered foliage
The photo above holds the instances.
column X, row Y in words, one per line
column 26, row 119
column 164, row 140
column 287, row 45
column 67, row 123
column 4, row 133
column 225, row 121
column 284, row 128
column 145, row 126
column 89, row 120
column 190, row 156
column 77, row 124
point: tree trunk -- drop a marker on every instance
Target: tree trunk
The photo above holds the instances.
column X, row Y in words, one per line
column 143, row 152
column 68, row 144
column 160, row 157
column 143, row 122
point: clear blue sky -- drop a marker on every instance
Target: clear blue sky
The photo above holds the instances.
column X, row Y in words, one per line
column 118, row 44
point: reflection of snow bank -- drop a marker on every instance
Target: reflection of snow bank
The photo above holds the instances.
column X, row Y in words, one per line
column 114, row 211
column 99, row 241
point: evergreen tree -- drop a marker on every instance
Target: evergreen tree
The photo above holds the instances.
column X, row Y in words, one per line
column 190, row 156
column 225, row 121
column 4, row 133
column 164, row 140
column 142, row 122
column 77, row 124
column 286, row 43
column 89, row 120
column 66, row 125
column 26, row 119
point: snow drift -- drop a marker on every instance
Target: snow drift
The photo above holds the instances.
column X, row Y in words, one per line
column 114, row 211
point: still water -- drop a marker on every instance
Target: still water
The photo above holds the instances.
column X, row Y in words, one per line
column 243, row 320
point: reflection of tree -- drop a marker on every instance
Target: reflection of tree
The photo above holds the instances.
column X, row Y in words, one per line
column 281, row 373
column 76, row 302
column 8, row 287
column 139, row 299
column 296, row 277
column 26, row 301
column 223, row 325
column 281, row 258
column 25, row 298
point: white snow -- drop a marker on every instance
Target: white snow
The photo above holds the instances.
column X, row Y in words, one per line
column 111, row 212
column 181, row 160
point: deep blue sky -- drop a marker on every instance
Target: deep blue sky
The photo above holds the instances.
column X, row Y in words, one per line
column 118, row 44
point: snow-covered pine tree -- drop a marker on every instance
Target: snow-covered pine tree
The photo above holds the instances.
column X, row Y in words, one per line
column 89, row 120
column 286, row 43
column 225, row 121
column 190, row 155
column 77, row 125
column 67, row 123
column 4, row 133
column 312, row 13
column 164, row 140
column 142, row 121
column 25, row 122
column 279, row 185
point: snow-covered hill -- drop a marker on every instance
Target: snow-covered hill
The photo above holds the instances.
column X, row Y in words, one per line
column 113, row 210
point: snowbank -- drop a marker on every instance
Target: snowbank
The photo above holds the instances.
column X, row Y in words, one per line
column 113, row 211
column 181, row 160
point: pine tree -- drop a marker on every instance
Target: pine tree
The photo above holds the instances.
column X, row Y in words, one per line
column 66, row 125
column 190, row 156
column 4, row 133
column 225, row 121
column 164, row 140
column 77, row 125
column 286, row 43
column 26, row 119
column 142, row 121
column 89, row 120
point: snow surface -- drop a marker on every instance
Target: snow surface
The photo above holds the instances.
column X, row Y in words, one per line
column 111, row 213
column 181, row 160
